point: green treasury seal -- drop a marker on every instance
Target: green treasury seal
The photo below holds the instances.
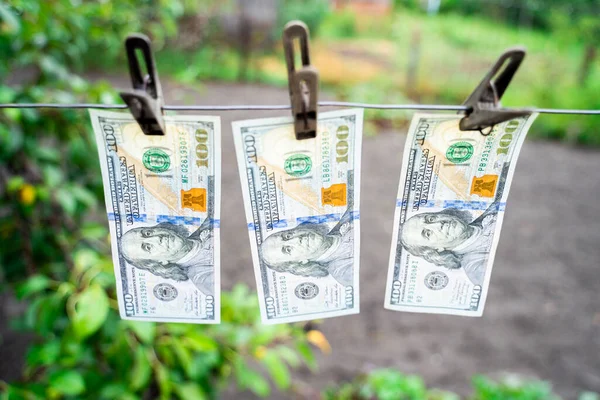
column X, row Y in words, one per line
column 156, row 160
column 459, row 152
column 298, row 165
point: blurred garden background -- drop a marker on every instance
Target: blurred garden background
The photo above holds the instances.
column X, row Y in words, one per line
column 60, row 334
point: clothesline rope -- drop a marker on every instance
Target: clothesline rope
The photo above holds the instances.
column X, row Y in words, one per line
column 424, row 107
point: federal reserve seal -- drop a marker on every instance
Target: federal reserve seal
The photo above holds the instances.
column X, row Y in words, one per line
column 156, row 160
column 298, row 165
column 436, row 280
column 165, row 292
column 306, row 291
column 459, row 152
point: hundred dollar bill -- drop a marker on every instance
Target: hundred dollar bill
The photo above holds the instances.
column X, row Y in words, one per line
column 449, row 211
column 162, row 198
column 301, row 199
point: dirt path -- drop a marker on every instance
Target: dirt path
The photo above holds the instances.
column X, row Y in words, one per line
column 542, row 317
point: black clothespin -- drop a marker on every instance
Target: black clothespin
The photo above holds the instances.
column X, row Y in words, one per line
column 303, row 83
column 484, row 102
column 145, row 101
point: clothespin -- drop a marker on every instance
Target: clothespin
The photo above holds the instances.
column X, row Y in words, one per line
column 145, row 101
column 303, row 83
column 484, row 102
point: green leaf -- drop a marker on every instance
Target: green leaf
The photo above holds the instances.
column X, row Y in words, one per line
column 184, row 356
column 16, row 393
column 7, row 94
column 145, row 331
column 44, row 354
column 48, row 154
column 202, row 364
column 90, row 311
column 9, row 18
column 33, row 285
column 66, row 201
column 49, row 310
column 113, row 390
column 69, row 383
column 73, row 352
column 32, row 311
column 308, row 355
column 190, row 391
column 201, row 342
column 388, row 384
column 277, row 369
column 53, row 175
column 15, row 183
column 83, row 195
column 142, row 370
column 164, row 381
column 84, row 259
column 54, row 68
column 11, row 139
column 289, row 356
column 92, row 230
column 250, row 379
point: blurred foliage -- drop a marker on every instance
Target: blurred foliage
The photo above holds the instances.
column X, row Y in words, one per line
column 408, row 57
column 207, row 63
column 311, row 12
column 585, row 28
column 572, row 21
column 389, row 384
column 386, row 384
column 530, row 13
column 341, row 24
column 55, row 242
column 86, row 351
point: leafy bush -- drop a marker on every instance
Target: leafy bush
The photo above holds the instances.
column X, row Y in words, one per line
column 55, row 253
column 387, row 384
column 512, row 388
column 88, row 352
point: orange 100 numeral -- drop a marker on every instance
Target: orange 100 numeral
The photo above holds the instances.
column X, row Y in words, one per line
column 201, row 148
column 341, row 147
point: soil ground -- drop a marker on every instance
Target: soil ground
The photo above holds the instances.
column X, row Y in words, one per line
column 542, row 317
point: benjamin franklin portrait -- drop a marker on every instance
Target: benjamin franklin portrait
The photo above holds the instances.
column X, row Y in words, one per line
column 169, row 251
column 313, row 250
column 451, row 238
